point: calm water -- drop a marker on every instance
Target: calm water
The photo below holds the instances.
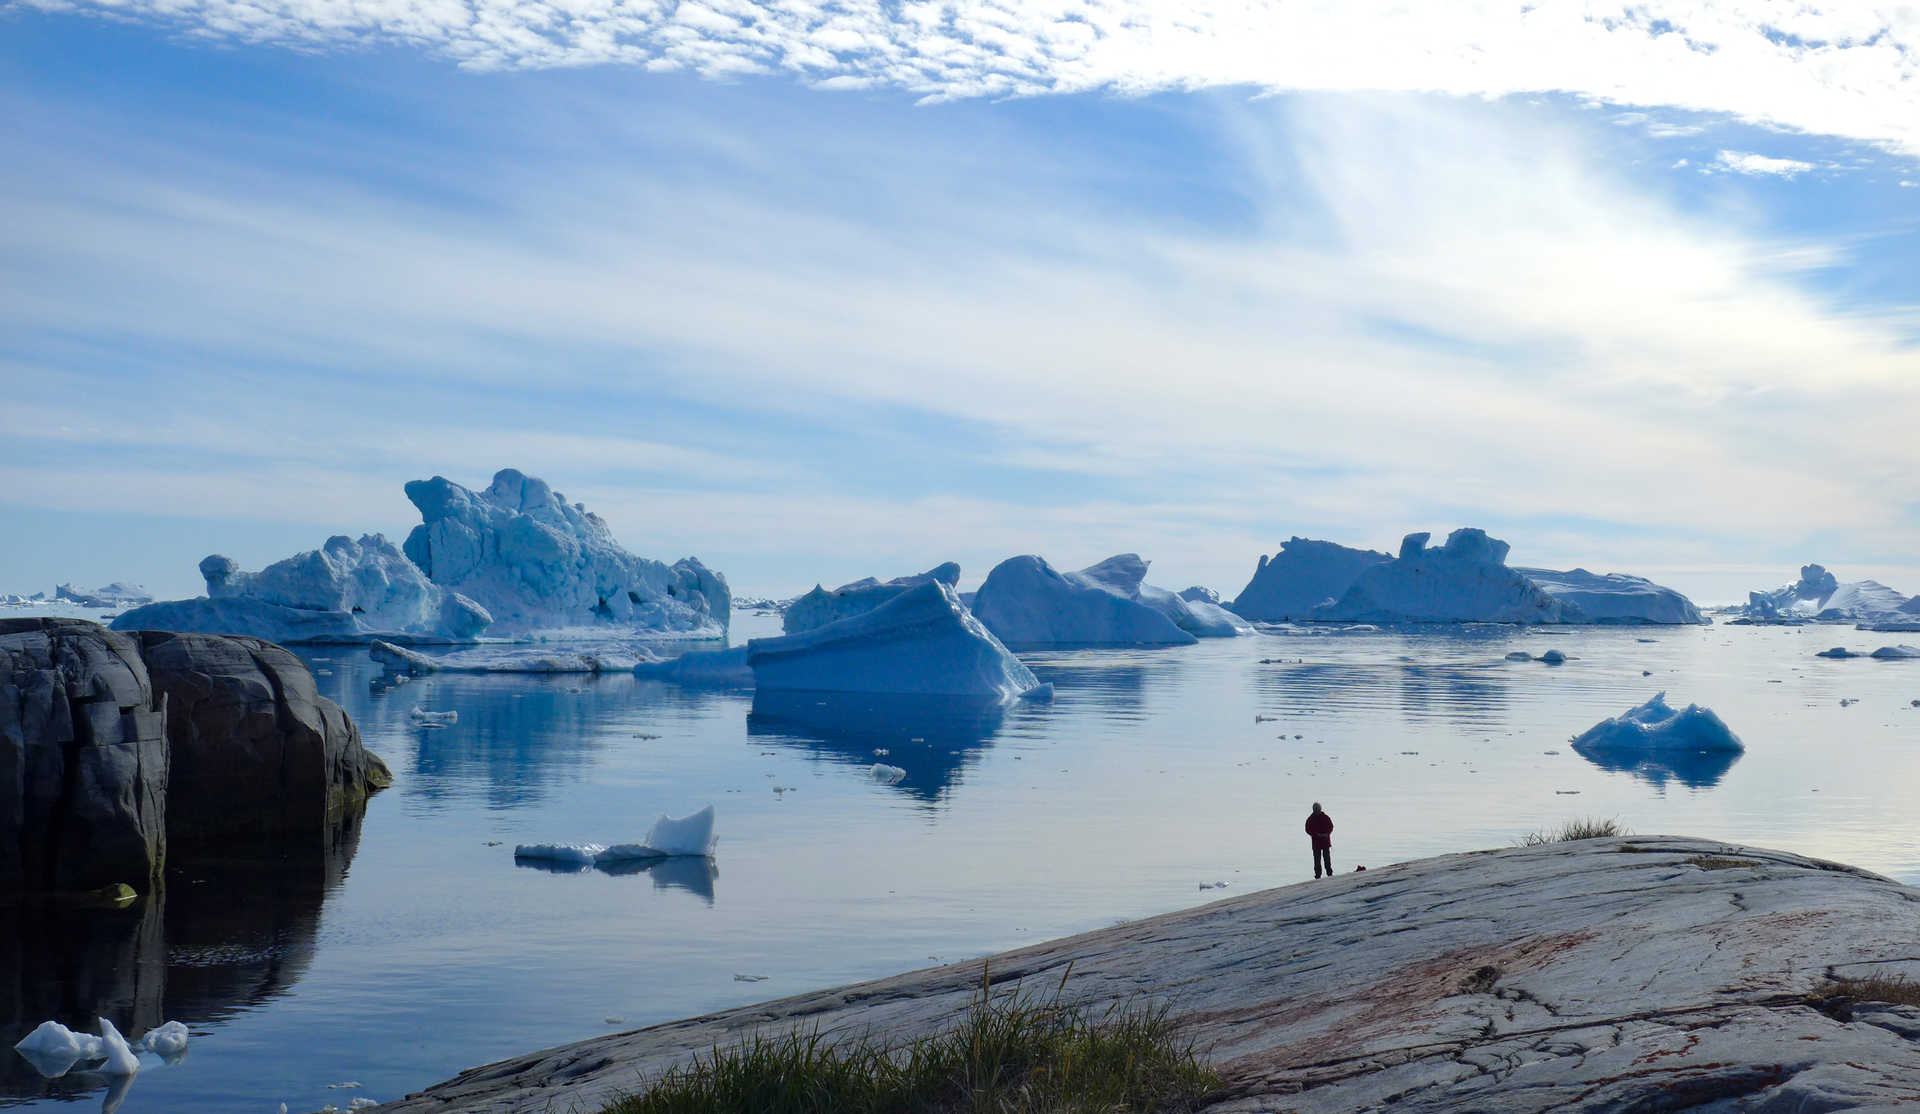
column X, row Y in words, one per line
column 424, row 949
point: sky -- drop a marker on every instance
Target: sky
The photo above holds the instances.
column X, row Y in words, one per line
column 816, row 291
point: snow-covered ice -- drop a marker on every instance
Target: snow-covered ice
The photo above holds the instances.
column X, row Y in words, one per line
column 820, row 607
column 536, row 561
column 1027, row 602
column 1613, row 597
column 1657, row 726
column 604, row 657
column 702, row 668
column 1862, row 600
column 578, row 854
column 1302, row 576
column 253, row 618
column 920, row 642
column 1464, row 581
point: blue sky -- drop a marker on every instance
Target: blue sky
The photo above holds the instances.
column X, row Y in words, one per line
column 817, row 292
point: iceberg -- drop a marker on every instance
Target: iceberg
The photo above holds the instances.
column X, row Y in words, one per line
column 1613, row 598
column 53, row 1049
column 1657, row 726
column 1902, row 652
column 1302, row 576
column 345, row 591
column 1027, row 602
column 668, row 838
column 613, row 657
column 702, row 669
column 820, row 607
column 1819, row 594
column 168, row 1041
column 885, row 774
column 1464, row 581
column 120, row 1058
column 1862, row 600
column 537, row 562
column 433, row 719
column 117, row 594
column 689, row 835
column 921, row 642
column 1125, row 575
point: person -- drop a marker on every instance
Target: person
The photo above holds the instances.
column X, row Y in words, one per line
column 1320, row 827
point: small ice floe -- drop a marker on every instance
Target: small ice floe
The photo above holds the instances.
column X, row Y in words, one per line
column 323, row 672
column 1553, row 657
column 362, row 1103
column 887, row 775
column 120, row 1058
column 1847, row 701
column 668, row 838
column 52, row 1048
column 168, row 1041
column 751, row 978
column 881, row 752
column 425, row 718
column 1657, row 726
column 1566, row 792
column 1213, row 885
column 1837, row 652
column 349, row 1085
column 1519, row 655
column 1897, row 653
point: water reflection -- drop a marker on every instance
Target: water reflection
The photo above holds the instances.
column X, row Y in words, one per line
column 1466, row 695
column 691, row 873
column 221, row 938
column 516, row 736
column 932, row 738
column 1695, row 769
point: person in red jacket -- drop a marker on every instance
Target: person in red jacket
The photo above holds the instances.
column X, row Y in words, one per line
column 1320, row 827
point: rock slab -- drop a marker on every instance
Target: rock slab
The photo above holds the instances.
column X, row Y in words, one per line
column 1605, row 975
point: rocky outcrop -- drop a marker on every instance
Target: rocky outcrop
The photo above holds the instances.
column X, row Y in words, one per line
column 1604, row 975
column 83, row 759
column 118, row 748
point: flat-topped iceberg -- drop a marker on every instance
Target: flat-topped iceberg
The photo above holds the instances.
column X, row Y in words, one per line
column 1656, row 725
column 1027, row 602
column 345, row 591
column 920, row 642
column 117, row 594
column 1613, row 598
column 600, row 657
column 668, row 838
column 1464, row 581
column 820, row 607
column 1302, row 576
column 538, row 562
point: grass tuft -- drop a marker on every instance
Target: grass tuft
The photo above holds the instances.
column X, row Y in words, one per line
column 1897, row 990
column 1587, row 827
column 1018, row 1053
column 1719, row 862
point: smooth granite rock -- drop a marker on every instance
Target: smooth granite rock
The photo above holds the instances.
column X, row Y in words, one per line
column 1607, row 975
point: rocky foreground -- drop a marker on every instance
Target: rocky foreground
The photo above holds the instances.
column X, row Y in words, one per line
column 1633, row 974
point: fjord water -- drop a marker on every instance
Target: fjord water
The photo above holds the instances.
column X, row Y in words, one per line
column 420, row 948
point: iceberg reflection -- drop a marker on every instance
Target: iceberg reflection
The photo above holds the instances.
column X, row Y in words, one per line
column 932, row 738
column 1695, row 769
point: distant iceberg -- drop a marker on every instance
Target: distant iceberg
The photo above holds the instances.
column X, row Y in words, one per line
column 1302, row 576
column 1819, row 594
column 566, row 657
column 1467, row 580
column 117, row 594
column 820, row 607
column 1027, row 602
column 1613, row 598
column 537, row 562
column 920, row 642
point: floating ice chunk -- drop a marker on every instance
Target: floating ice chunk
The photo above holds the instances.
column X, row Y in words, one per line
column 887, row 775
column 362, row 1103
column 53, row 1049
column 1554, row 657
column 1302, row 576
column 921, row 642
column 689, row 835
column 168, row 1041
column 422, row 716
column 601, row 657
column 820, row 607
column 120, row 1058
column 1897, row 653
column 1656, row 726
column 576, row 854
column 1613, row 598
column 1027, row 602
column 750, row 978
column 536, row 561
column 1464, row 581
column 1837, row 652
column 1519, row 655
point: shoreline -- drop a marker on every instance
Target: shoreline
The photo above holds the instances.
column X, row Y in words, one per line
column 1600, row 973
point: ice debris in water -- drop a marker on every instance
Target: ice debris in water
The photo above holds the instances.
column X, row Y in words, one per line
column 1897, row 653
column 1553, row 657
column 887, row 775
column 425, row 718
column 1836, row 652
column 688, row 835
column 120, row 1058
column 168, row 1040
column 1657, row 726
column 1519, row 655
column 52, row 1048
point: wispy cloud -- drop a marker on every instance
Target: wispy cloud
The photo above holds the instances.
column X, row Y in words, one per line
column 1746, row 162
column 1841, row 70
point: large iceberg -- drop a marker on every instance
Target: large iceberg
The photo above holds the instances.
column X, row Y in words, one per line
column 1464, row 581
column 1209, row 618
column 1819, row 594
column 820, row 607
column 538, row 562
column 345, row 591
column 1027, row 602
column 1613, row 597
column 921, row 642
column 1656, row 725
column 1302, row 576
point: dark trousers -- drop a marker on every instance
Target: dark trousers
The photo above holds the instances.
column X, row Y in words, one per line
column 1322, row 855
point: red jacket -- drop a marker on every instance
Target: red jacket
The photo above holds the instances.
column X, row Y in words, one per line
column 1320, row 827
